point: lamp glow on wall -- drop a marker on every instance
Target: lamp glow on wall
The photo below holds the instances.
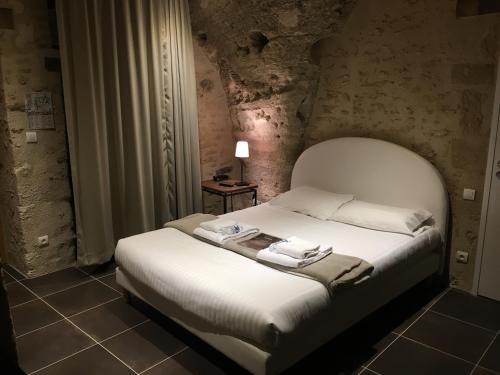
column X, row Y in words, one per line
column 242, row 153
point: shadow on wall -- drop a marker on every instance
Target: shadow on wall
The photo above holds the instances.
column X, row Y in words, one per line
column 467, row 8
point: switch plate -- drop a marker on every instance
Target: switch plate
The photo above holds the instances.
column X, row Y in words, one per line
column 462, row 257
column 469, row 194
column 31, row 137
column 43, row 240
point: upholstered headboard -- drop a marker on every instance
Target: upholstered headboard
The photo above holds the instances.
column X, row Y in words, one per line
column 374, row 171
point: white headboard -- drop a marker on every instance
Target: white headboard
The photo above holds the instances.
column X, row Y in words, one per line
column 374, row 171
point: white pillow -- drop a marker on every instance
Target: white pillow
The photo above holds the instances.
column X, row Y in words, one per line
column 307, row 200
column 380, row 217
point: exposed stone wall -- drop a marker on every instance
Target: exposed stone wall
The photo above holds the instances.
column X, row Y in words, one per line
column 214, row 123
column 411, row 73
column 39, row 200
column 270, row 78
column 11, row 234
column 406, row 71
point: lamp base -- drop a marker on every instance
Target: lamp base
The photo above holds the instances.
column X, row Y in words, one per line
column 242, row 183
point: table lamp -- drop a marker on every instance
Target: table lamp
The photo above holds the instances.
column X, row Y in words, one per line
column 242, row 152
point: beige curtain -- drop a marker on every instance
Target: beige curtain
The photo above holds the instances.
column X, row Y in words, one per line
column 130, row 100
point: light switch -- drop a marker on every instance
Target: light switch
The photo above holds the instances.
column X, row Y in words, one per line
column 469, row 194
column 31, row 137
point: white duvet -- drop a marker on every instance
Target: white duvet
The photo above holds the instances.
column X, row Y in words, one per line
column 241, row 297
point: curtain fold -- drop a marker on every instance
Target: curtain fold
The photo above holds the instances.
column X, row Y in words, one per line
column 130, row 101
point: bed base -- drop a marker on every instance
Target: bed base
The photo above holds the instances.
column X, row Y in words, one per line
column 349, row 308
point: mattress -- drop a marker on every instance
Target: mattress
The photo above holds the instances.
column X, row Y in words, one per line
column 219, row 291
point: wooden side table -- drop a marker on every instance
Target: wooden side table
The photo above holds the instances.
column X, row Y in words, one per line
column 213, row 187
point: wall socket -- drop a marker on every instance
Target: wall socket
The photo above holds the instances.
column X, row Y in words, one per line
column 469, row 194
column 462, row 257
column 31, row 137
column 43, row 241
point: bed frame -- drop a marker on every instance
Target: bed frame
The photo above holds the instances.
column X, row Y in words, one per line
column 374, row 171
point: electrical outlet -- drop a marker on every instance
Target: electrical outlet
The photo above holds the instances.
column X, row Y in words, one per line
column 31, row 137
column 43, row 241
column 469, row 194
column 462, row 257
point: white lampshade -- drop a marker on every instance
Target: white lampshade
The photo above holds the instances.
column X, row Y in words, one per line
column 242, row 149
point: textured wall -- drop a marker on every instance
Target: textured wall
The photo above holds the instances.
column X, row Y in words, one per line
column 407, row 71
column 265, row 63
column 11, row 234
column 39, row 200
column 214, row 123
column 411, row 73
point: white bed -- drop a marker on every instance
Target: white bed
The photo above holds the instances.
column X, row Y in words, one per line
column 265, row 319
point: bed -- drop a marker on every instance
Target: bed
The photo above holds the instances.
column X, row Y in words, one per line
column 264, row 319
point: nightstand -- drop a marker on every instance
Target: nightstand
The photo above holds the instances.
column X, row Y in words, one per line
column 213, row 187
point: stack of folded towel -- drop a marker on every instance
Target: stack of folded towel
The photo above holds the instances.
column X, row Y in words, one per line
column 294, row 252
column 220, row 231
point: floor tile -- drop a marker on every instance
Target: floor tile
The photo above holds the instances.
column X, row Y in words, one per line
column 452, row 336
column 109, row 319
column 144, row 346
column 400, row 313
column 472, row 309
column 16, row 293
column 32, row 315
column 50, row 344
column 347, row 353
column 186, row 362
column 483, row 371
column 7, row 278
column 13, row 272
column 94, row 360
column 82, row 297
column 101, row 269
column 110, row 280
column 198, row 345
column 56, row 281
column 407, row 357
column 410, row 319
column 491, row 360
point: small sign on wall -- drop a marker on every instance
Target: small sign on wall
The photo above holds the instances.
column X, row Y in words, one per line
column 39, row 110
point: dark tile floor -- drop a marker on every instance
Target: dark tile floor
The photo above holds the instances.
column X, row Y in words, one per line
column 75, row 322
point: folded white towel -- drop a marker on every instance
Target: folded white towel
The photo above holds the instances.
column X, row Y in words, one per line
column 295, row 247
column 222, row 226
column 220, row 238
column 286, row 261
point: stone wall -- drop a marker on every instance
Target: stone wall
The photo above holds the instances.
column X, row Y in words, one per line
column 214, row 123
column 38, row 198
column 262, row 49
column 407, row 71
column 412, row 73
column 11, row 235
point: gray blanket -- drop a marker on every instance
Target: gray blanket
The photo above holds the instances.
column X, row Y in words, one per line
column 333, row 271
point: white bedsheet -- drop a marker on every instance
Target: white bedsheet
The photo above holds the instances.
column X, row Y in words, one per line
column 246, row 299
